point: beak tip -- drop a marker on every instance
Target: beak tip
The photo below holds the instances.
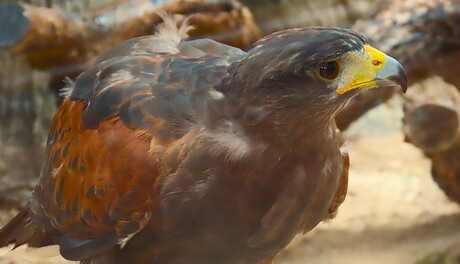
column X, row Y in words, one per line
column 395, row 73
column 404, row 89
column 402, row 81
column 402, row 78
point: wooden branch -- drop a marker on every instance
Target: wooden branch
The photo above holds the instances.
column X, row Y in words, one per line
column 274, row 15
column 51, row 38
column 432, row 123
column 445, row 170
column 44, row 35
column 431, row 117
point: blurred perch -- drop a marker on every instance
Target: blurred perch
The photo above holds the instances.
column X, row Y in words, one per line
column 51, row 38
column 432, row 116
column 423, row 35
column 45, row 36
column 432, row 123
column 274, row 15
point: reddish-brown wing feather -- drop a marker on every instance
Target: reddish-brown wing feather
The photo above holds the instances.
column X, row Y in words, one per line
column 96, row 181
column 341, row 193
column 342, row 189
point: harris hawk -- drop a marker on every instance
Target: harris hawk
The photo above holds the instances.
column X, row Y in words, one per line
column 168, row 150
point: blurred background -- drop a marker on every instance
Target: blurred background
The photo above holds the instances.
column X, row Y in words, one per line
column 404, row 190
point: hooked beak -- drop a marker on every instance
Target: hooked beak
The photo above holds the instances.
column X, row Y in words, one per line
column 374, row 69
column 392, row 74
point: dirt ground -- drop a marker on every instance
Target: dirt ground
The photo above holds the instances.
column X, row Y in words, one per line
column 394, row 213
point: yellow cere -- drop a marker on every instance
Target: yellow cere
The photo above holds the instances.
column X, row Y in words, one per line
column 360, row 68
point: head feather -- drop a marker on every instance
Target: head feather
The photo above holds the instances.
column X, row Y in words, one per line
column 66, row 91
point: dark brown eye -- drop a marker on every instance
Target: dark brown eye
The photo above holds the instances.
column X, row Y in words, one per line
column 329, row 70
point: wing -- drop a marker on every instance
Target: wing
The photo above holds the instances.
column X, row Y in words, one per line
column 98, row 186
column 342, row 188
column 341, row 193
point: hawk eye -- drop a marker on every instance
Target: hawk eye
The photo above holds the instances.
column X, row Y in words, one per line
column 329, row 70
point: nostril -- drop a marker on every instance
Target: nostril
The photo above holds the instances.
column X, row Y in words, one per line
column 376, row 62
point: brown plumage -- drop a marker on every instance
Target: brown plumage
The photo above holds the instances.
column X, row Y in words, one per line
column 176, row 151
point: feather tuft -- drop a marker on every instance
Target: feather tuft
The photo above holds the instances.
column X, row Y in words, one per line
column 169, row 33
column 66, row 91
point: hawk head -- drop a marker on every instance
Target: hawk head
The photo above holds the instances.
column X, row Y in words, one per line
column 310, row 74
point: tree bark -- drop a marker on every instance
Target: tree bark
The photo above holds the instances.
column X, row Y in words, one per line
column 432, row 123
column 274, row 15
column 52, row 39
